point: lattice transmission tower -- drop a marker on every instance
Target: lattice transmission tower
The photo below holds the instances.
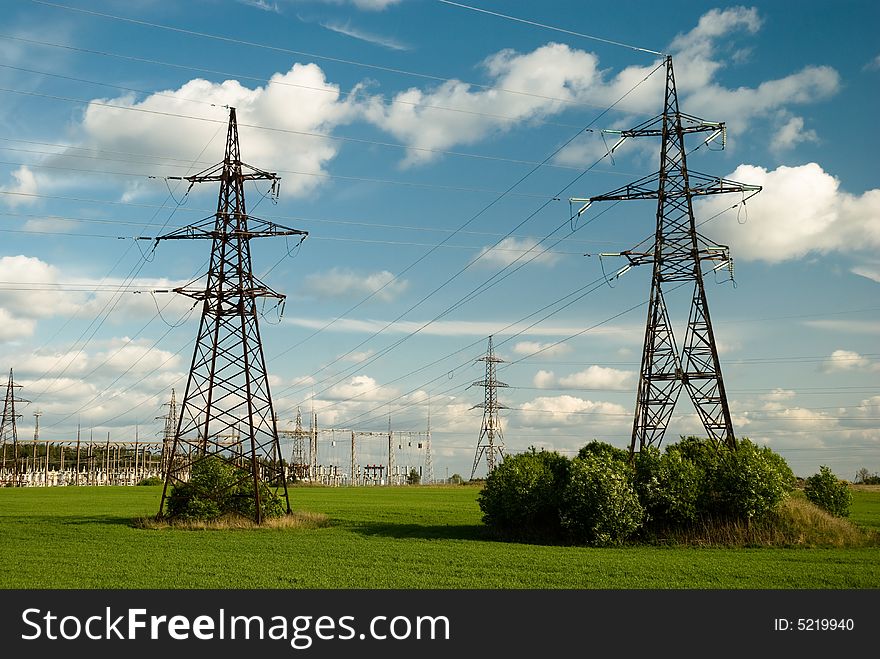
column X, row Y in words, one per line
column 677, row 254
column 491, row 440
column 9, row 429
column 168, row 432
column 227, row 406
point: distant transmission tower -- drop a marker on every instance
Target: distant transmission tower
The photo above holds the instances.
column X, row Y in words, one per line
column 298, row 455
column 9, row 428
column 227, row 407
column 168, row 433
column 491, row 441
column 677, row 254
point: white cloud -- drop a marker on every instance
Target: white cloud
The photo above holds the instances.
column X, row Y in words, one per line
column 567, row 410
column 847, row 326
column 870, row 270
column 28, row 272
column 136, row 356
column 510, row 250
column 262, row 4
column 320, row 107
column 362, row 388
column 24, row 183
column 357, row 357
column 738, row 106
column 780, row 394
column 366, row 5
column 363, row 35
column 551, row 77
column 343, row 282
column 554, row 70
column 13, row 328
column 792, row 133
column 848, row 360
column 544, row 379
column 873, row 65
column 599, row 377
column 800, row 210
column 699, row 42
column 529, row 348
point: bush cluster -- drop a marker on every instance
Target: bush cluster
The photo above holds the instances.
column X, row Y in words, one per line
column 602, row 497
column 216, row 489
column 829, row 493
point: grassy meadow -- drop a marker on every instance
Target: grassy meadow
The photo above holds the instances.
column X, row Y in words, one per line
column 407, row 537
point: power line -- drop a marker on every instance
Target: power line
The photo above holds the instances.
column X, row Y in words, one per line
column 266, row 81
column 289, row 51
column 550, row 27
column 463, row 269
column 274, row 129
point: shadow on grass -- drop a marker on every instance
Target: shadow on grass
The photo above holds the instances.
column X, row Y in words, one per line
column 424, row 531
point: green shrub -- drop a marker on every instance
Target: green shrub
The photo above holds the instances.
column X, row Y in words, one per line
column 521, row 496
column 749, row 482
column 151, row 481
column 669, row 487
column 217, row 488
column 600, row 507
column 603, row 448
column 827, row 492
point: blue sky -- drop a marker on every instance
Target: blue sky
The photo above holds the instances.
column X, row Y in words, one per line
column 430, row 151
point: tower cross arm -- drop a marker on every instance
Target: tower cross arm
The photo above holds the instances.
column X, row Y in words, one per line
column 689, row 125
column 257, row 228
column 220, row 172
column 699, row 185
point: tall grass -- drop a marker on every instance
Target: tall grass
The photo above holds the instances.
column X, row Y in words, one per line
column 795, row 523
column 295, row 520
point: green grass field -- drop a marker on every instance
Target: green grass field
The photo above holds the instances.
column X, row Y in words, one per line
column 425, row 537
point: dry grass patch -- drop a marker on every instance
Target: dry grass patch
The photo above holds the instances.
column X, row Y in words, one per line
column 796, row 523
column 296, row 520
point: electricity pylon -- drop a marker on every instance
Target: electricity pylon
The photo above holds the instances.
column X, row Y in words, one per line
column 227, row 406
column 9, row 428
column 678, row 253
column 168, row 433
column 491, row 441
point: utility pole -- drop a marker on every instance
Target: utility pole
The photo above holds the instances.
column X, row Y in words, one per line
column 9, row 428
column 491, row 440
column 228, row 385
column 677, row 256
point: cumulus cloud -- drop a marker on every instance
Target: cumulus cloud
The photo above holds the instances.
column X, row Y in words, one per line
column 792, row 133
column 544, row 379
column 151, row 130
column 599, row 377
column 24, row 183
column 570, row 410
column 28, row 272
column 13, row 328
column 361, row 387
column 509, row 250
column 532, row 86
column 800, row 210
column 343, row 282
column 551, row 71
column 848, row 360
